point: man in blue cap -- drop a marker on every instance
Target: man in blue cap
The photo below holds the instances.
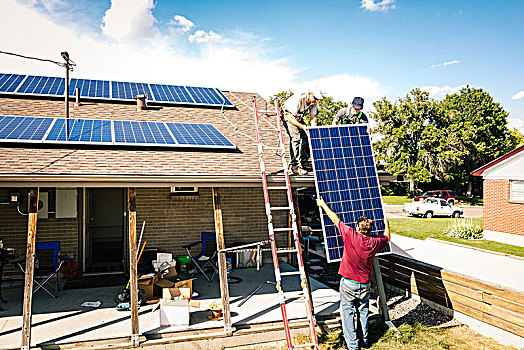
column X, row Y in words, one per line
column 352, row 114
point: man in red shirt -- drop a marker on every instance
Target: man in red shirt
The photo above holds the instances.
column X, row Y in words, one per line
column 357, row 261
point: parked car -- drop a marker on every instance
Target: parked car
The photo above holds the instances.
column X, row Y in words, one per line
column 433, row 207
column 444, row 194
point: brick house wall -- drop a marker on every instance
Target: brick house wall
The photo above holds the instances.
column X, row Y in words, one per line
column 171, row 221
column 499, row 213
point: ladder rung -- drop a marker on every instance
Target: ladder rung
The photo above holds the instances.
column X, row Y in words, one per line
column 275, row 168
column 292, row 273
column 280, row 208
column 277, row 187
column 283, row 229
column 265, row 111
column 272, row 148
column 267, row 129
column 286, row 250
column 295, row 296
column 305, row 346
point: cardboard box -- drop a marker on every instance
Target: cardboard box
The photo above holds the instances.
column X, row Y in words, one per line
column 173, row 312
column 168, row 293
column 148, row 284
column 153, row 285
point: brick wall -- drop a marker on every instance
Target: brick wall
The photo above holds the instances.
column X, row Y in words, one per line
column 171, row 221
column 499, row 214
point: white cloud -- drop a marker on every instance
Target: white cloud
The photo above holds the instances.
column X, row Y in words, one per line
column 210, row 59
column 518, row 96
column 202, row 36
column 378, row 5
column 441, row 91
column 128, row 19
column 514, row 123
column 449, row 63
column 182, row 22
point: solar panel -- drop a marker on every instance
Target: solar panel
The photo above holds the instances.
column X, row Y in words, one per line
column 90, row 88
column 23, row 129
column 128, row 91
column 110, row 132
column 170, row 93
column 9, row 82
column 346, row 178
column 208, row 96
column 198, row 135
column 40, row 85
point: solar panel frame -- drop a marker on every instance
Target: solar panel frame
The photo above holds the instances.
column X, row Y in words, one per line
column 346, row 178
column 42, row 86
column 185, row 134
column 126, row 91
column 90, row 88
column 80, row 133
column 171, row 94
column 23, row 129
column 208, row 96
column 9, row 83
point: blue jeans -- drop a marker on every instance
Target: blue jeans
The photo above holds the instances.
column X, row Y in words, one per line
column 354, row 298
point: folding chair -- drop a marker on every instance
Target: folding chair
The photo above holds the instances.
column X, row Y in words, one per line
column 207, row 256
column 47, row 265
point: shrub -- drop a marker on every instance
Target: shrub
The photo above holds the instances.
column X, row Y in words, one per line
column 463, row 228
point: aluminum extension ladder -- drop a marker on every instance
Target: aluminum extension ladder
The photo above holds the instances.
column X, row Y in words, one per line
column 289, row 250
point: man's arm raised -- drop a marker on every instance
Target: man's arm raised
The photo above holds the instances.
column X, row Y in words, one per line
column 329, row 212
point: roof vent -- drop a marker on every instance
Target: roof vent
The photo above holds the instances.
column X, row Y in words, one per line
column 141, row 102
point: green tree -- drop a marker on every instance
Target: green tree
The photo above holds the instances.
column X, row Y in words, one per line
column 478, row 127
column 517, row 138
column 404, row 127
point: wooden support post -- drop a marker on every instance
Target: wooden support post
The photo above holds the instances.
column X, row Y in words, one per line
column 222, row 269
column 29, row 268
column 301, row 238
column 132, row 267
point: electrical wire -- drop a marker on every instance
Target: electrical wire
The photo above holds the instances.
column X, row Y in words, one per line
column 69, row 63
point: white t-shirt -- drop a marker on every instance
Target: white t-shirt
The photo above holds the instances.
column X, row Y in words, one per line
column 296, row 104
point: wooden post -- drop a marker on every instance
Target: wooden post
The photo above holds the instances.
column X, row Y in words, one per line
column 381, row 295
column 222, row 269
column 132, row 267
column 29, row 268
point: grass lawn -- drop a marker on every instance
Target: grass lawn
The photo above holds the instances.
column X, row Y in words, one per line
column 396, row 200
column 470, row 201
column 421, row 228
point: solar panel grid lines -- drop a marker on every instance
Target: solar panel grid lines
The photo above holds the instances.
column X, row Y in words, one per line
column 128, row 90
column 81, row 131
column 171, row 93
column 196, row 134
column 10, row 82
column 90, row 88
column 346, row 178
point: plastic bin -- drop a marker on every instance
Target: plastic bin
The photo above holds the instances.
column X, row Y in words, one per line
column 184, row 262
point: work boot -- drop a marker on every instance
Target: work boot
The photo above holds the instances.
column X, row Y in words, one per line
column 296, row 170
column 307, row 166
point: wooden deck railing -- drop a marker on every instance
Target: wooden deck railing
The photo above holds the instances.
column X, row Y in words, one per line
column 481, row 300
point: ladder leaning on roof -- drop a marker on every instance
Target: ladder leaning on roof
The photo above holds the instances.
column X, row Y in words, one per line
column 296, row 249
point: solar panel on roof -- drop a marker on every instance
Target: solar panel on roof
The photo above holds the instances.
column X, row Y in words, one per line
column 198, row 135
column 9, row 82
column 90, row 88
column 40, row 85
column 110, row 132
column 346, row 178
column 208, row 96
column 127, row 91
column 170, row 93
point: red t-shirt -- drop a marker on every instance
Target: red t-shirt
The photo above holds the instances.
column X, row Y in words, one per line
column 359, row 252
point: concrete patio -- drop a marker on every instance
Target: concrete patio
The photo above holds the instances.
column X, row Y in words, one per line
column 63, row 320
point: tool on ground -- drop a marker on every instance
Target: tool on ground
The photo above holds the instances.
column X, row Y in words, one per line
column 250, row 295
column 137, row 260
column 289, row 208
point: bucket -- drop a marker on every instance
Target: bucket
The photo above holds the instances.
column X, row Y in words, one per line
column 184, row 262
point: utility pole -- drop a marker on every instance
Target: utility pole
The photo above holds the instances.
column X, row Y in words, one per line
column 68, row 66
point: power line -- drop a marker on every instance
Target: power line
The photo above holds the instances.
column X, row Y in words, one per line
column 69, row 63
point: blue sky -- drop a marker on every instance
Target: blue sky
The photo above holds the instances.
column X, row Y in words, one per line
column 346, row 48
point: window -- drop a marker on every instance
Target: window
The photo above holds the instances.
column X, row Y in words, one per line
column 184, row 191
column 516, row 191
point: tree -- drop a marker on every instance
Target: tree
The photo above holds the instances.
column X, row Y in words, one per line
column 517, row 138
column 404, row 126
column 478, row 126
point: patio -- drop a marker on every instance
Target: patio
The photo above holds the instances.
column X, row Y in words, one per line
column 63, row 320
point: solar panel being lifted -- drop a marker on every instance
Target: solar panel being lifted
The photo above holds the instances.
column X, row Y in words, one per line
column 346, row 178
column 112, row 90
column 111, row 132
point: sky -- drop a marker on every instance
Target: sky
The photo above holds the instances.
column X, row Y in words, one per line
column 346, row 48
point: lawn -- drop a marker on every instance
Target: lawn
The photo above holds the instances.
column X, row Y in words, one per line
column 421, row 228
column 396, row 200
column 470, row 201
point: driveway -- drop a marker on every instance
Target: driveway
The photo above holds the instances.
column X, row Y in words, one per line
column 395, row 211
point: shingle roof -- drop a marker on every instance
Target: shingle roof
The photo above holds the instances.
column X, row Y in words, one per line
column 39, row 162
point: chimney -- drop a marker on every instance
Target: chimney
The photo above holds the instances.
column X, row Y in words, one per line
column 77, row 102
column 141, row 102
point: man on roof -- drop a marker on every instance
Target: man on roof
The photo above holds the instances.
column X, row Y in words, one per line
column 352, row 114
column 294, row 108
column 355, row 268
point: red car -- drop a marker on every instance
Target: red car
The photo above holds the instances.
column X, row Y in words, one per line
column 444, row 194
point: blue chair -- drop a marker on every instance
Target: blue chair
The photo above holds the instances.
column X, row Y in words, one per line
column 207, row 255
column 48, row 263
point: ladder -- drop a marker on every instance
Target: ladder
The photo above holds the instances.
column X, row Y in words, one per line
column 296, row 249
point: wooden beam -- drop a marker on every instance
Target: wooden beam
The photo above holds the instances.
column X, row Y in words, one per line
column 222, row 269
column 29, row 268
column 132, row 267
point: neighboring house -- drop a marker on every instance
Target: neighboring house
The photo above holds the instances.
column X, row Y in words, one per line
column 504, row 197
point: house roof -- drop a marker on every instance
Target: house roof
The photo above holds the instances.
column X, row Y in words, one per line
column 480, row 171
column 34, row 164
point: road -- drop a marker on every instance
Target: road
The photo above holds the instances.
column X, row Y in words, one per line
column 395, row 211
